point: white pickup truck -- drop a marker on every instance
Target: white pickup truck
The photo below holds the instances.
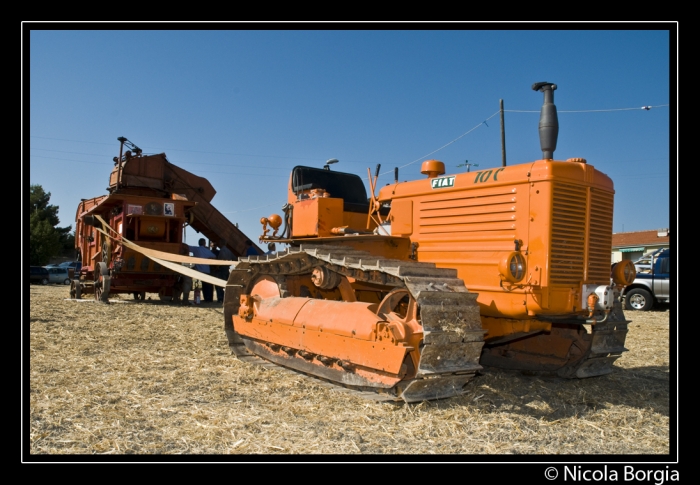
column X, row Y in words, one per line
column 650, row 288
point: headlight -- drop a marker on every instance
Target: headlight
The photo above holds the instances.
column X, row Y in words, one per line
column 624, row 273
column 512, row 267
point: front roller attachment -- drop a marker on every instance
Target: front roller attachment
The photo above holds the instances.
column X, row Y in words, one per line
column 342, row 341
column 350, row 343
column 417, row 336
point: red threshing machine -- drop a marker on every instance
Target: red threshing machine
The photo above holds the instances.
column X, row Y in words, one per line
column 150, row 202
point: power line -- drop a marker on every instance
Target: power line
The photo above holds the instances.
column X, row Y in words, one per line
column 309, row 159
column 642, row 176
column 162, row 150
column 446, row 144
column 74, row 141
column 174, row 162
column 645, row 108
column 203, row 171
column 251, row 208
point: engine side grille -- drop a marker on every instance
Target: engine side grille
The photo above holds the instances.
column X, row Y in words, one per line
column 478, row 212
column 567, row 250
column 571, row 261
column 600, row 236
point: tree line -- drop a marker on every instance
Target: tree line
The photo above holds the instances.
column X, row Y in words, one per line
column 46, row 239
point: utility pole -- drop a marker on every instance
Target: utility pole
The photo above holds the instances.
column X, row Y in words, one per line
column 503, row 136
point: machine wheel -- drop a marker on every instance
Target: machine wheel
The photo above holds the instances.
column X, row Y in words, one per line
column 75, row 289
column 399, row 306
column 638, row 299
column 66, row 281
column 163, row 297
column 102, row 282
column 139, row 295
column 44, row 281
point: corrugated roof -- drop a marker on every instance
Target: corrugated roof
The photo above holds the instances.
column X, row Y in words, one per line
column 638, row 238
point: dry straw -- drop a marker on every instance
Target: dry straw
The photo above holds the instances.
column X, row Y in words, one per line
column 155, row 378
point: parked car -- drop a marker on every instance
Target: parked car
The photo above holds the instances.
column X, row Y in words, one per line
column 38, row 274
column 643, row 264
column 71, row 264
column 73, row 267
column 58, row 275
column 649, row 289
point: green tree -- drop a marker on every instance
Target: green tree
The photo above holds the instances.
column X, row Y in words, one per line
column 45, row 239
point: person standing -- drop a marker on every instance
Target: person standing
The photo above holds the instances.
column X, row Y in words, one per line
column 250, row 249
column 216, row 271
column 222, row 271
column 202, row 251
column 183, row 285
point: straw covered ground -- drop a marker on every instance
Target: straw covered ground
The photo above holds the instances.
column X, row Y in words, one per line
column 147, row 377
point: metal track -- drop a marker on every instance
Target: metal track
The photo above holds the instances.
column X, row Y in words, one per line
column 591, row 351
column 448, row 313
column 607, row 345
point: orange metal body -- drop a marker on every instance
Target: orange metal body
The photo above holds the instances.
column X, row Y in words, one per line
column 320, row 327
column 334, row 325
column 556, row 214
column 317, row 217
column 420, row 285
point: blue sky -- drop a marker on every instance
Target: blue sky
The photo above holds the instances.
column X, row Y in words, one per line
column 243, row 107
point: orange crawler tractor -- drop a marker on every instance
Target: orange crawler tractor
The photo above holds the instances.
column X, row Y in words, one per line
column 406, row 295
column 150, row 201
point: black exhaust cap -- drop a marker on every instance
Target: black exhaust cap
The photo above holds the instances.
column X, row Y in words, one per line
column 549, row 122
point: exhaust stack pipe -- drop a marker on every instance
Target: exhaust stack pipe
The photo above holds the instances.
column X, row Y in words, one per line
column 549, row 123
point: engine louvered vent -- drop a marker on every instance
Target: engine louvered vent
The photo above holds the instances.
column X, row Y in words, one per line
column 600, row 236
column 568, row 234
column 480, row 212
column 571, row 261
